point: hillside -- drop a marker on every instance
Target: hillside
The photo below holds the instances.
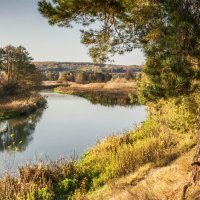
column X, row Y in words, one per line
column 84, row 66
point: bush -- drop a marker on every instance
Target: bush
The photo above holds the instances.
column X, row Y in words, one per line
column 45, row 194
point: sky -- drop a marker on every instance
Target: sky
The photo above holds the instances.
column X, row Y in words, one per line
column 22, row 24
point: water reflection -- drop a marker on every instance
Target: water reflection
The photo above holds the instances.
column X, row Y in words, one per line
column 109, row 98
column 69, row 124
column 18, row 133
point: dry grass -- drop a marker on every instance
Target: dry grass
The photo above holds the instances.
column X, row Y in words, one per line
column 37, row 181
column 164, row 183
column 109, row 93
column 18, row 105
column 111, row 85
column 49, row 83
column 118, row 84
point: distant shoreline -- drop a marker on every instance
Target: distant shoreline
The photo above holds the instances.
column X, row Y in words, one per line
column 109, row 93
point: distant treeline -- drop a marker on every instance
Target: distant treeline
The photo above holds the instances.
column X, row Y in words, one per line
column 84, row 77
column 74, row 66
column 85, row 72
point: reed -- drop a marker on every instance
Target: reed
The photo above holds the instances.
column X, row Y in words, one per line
column 20, row 105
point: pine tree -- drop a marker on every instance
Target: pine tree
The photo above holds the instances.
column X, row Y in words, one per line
column 167, row 31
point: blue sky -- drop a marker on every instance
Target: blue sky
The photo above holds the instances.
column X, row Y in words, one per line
column 22, row 24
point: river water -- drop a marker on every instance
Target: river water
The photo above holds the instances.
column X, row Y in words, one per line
column 69, row 125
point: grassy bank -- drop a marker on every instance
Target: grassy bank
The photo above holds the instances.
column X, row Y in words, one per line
column 16, row 106
column 169, row 131
column 109, row 93
column 164, row 183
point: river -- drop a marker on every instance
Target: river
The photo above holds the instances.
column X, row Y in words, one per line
column 69, row 125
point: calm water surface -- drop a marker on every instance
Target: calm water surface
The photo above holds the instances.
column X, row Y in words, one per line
column 70, row 124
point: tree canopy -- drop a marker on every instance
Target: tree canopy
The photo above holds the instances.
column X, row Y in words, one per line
column 168, row 31
column 16, row 70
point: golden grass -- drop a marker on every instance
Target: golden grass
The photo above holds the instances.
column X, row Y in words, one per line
column 115, row 84
column 109, row 93
column 107, row 85
column 20, row 104
column 165, row 183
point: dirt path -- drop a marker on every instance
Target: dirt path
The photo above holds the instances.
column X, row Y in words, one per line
column 164, row 183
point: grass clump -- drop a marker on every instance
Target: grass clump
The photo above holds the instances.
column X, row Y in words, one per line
column 11, row 107
column 55, row 180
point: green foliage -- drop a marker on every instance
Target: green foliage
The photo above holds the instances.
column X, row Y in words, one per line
column 65, row 188
column 45, row 194
column 17, row 72
column 67, row 185
column 84, row 77
column 87, row 12
column 133, row 98
column 31, row 195
column 52, row 70
column 167, row 31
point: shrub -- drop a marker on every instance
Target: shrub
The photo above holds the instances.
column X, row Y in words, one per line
column 45, row 194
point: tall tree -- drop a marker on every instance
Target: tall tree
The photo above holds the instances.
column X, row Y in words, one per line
column 17, row 70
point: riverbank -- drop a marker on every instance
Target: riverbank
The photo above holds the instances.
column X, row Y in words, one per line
column 169, row 132
column 164, row 183
column 51, row 85
column 15, row 106
column 109, row 93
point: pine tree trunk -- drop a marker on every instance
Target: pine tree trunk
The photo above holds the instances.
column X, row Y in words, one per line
column 195, row 164
column 196, row 160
